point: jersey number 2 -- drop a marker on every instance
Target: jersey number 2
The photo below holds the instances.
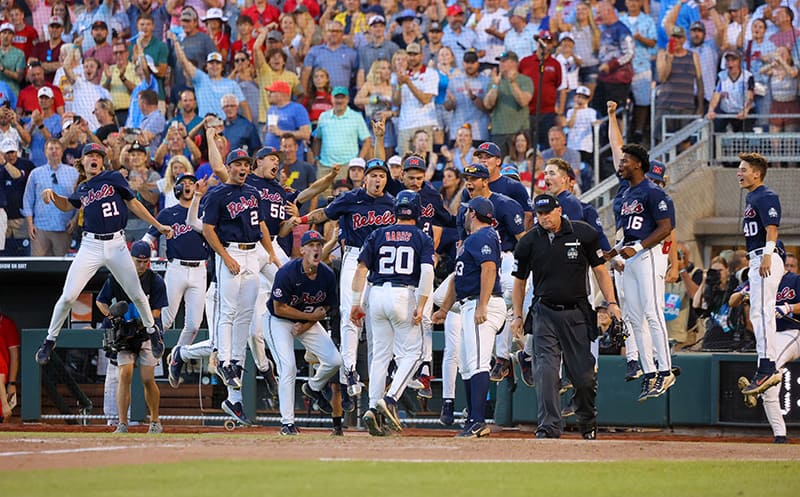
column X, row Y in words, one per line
column 396, row 260
column 109, row 209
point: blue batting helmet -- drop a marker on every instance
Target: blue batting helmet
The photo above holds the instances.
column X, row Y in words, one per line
column 407, row 205
column 177, row 189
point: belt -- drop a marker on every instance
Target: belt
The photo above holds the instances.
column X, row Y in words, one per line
column 396, row 285
column 240, row 246
column 103, row 236
column 558, row 307
column 757, row 252
column 187, row 263
column 475, row 297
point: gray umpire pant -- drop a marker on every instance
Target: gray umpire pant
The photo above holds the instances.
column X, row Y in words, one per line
column 557, row 333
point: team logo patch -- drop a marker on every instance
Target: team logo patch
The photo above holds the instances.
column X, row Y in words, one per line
column 772, row 212
column 597, row 222
column 277, row 293
column 634, row 207
column 599, row 253
column 662, row 206
column 749, row 211
column 518, row 219
column 572, row 253
column 486, row 250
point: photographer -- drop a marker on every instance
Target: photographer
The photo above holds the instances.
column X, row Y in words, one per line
column 678, row 312
column 120, row 375
column 724, row 327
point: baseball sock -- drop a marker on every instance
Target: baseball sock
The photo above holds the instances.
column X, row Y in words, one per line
column 337, row 421
column 766, row 366
column 479, row 384
column 468, row 391
column 234, row 395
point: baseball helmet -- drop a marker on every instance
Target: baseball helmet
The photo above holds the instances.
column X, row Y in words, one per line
column 177, row 188
column 407, row 205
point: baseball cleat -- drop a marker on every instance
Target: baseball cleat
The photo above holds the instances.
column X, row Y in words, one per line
column 337, row 431
column 762, row 381
column 121, row 428
column 447, row 417
column 353, row 385
column 347, row 402
column 661, row 384
column 175, row 365
column 414, row 384
column 589, row 432
column 156, row 343
column 229, row 375
column 568, row 411
column 633, row 371
column 476, row 429
column 566, row 385
column 319, row 399
column 525, row 368
column 780, row 439
column 647, row 385
column 388, row 407
column 425, row 392
column 749, row 399
column 372, row 423
column 155, row 429
column 236, row 412
column 43, row 353
column 270, row 381
column 500, row 370
column 289, row 430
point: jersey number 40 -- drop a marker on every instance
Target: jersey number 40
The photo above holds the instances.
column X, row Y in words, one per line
column 750, row 228
column 396, row 260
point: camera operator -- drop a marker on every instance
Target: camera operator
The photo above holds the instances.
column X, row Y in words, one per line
column 681, row 318
column 724, row 328
column 120, row 375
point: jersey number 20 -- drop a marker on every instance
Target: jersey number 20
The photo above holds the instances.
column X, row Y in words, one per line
column 396, row 260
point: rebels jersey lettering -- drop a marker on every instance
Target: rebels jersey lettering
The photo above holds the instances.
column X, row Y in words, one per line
column 274, row 196
column 788, row 293
column 294, row 288
column 510, row 221
column 433, row 211
column 394, row 254
column 359, row 214
column 479, row 247
column 103, row 201
column 643, row 206
column 235, row 211
column 762, row 209
column 186, row 243
column 511, row 189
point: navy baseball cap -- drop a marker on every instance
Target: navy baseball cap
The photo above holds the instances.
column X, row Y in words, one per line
column 267, row 151
column 237, row 154
column 414, row 162
column 482, row 206
column 373, row 164
column 93, row 148
column 490, row 148
column 476, row 171
column 545, row 203
column 657, row 171
column 140, row 249
column 311, row 236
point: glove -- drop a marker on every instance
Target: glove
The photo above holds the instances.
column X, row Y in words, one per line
column 618, row 332
column 783, row 310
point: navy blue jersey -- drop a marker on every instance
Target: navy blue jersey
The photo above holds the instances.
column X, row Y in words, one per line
column 394, row 254
column 592, row 218
column 617, row 203
column 788, row 293
column 359, row 214
column 155, row 290
column 643, row 206
column 394, row 186
column 570, row 206
column 103, row 200
column 511, row 189
column 294, row 288
column 235, row 211
column 433, row 211
column 274, row 196
column 479, row 247
column 510, row 221
column 186, row 243
column 762, row 209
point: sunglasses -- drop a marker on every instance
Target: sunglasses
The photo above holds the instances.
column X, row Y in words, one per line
column 240, row 59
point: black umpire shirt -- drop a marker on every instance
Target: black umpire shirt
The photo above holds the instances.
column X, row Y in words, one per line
column 559, row 261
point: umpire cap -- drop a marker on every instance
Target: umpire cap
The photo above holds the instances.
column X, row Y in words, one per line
column 482, row 206
column 407, row 205
column 545, row 203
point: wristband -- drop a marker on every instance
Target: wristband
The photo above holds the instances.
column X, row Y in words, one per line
column 613, row 303
column 356, row 298
column 304, row 220
column 638, row 247
column 494, row 86
column 12, row 383
column 769, row 248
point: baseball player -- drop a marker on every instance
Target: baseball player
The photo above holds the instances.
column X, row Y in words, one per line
column 302, row 294
column 359, row 213
column 646, row 222
column 399, row 260
column 105, row 198
column 477, row 288
column 762, row 216
column 187, row 253
column 787, row 343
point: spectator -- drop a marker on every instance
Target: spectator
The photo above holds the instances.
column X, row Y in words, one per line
column 85, row 89
column 687, row 14
column 186, row 113
column 643, row 30
column 120, row 79
column 507, row 100
column 196, row 47
column 240, row 132
column 44, row 124
column 11, row 129
column 465, row 93
column 459, row 38
column 447, row 68
column 210, row 87
column 214, row 21
column 144, row 183
column 420, row 146
column 285, row 116
column 339, row 60
column 14, row 189
column 104, row 111
column 8, row 173
column 375, row 97
column 431, row 51
column 587, row 44
column 547, row 84
column 783, row 88
column 518, row 155
column 148, row 44
column 559, row 150
column 275, row 42
column 9, row 363
column 299, row 174
column 12, row 59
column 310, row 7
column 580, row 121
column 378, row 48
column 411, row 31
column 153, row 122
column 93, row 11
column 353, row 20
column 318, row 99
column 787, row 34
column 682, row 89
column 102, row 48
column 262, row 13
column 29, row 96
column 24, row 36
column 176, row 143
column 355, row 172
column 74, row 135
column 47, row 51
column 244, row 34
column 417, row 89
column 271, row 68
column 158, row 12
column 145, row 72
column 708, row 53
column 791, row 263
column 570, row 67
column 298, row 42
column 738, row 11
column 462, row 153
column 732, row 95
column 757, row 52
column 520, row 38
column 490, row 24
column 452, row 189
column 244, row 73
column 50, row 228
column 338, row 134
column 176, row 166
column 616, row 57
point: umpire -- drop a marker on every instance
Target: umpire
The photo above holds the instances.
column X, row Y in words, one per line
column 559, row 253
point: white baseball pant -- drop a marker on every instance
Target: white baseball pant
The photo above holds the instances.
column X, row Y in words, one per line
column 787, row 344
column 237, row 299
column 477, row 340
column 91, row 256
column 631, row 350
column 393, row 334
column 503, row 340
column 347, row 330
column 266, row 279
column 452, row 340
column 763, row 293
column 188, row 284
column 278, row 334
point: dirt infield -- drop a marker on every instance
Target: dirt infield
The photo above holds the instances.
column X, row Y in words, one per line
column 32, row 447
